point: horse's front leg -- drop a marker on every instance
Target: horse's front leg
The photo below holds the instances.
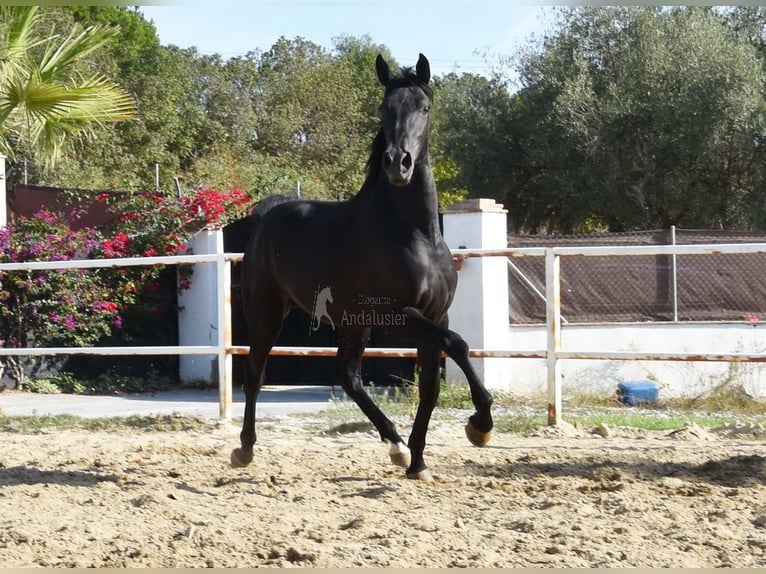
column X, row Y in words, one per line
column 429, row 357
column 479, row 427
column 348, row 363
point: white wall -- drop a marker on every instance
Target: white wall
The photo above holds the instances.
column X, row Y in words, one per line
column 198, row 316
column 677, row 379
column 479, row 312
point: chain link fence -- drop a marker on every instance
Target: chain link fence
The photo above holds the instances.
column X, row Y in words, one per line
column 642, row 288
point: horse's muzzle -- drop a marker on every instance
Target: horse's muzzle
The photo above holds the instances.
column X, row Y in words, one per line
column 398, row 167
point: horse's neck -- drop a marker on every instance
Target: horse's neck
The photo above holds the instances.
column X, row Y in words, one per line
column 416, row 205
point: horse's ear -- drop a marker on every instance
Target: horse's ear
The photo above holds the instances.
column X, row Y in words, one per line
column 423, row 69
column 381, row 67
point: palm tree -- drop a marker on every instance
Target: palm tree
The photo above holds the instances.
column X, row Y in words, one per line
column 44, row 98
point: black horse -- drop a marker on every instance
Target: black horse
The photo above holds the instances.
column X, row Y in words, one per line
column 376, row 260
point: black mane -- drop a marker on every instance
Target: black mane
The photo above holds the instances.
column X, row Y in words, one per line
column 373, row 165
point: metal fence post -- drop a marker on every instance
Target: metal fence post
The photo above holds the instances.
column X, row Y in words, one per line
column 553, row 321
column 223, row 295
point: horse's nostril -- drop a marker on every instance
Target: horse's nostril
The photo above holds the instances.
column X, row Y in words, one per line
column 388, row 158
column 407, row 161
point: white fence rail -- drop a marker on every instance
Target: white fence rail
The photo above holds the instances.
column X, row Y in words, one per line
column 553, row 353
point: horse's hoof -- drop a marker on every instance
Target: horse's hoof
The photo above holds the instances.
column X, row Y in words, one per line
column 238, row 459
column 399, row 454
column 423, row 475
column 477, row 437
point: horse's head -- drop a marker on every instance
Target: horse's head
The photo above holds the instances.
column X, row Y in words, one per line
column 325, row 295
column 404, row 117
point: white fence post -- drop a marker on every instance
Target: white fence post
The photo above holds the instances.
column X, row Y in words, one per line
column 479, row 312
column 3, row 197
column 553, row 343
column 225, row 370
column 198, row 317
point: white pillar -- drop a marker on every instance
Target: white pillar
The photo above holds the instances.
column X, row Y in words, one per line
column 3, row 204
column 479, row 312
column 198, row 314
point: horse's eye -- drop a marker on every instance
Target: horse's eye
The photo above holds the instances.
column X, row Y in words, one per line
column 426, row 109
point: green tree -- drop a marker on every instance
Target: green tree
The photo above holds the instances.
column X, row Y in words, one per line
column 308, row 115
column 472, row 137
column 163, row 81
column 641, row 118
column 261, row 122
column 44, row 97
column 358, row 54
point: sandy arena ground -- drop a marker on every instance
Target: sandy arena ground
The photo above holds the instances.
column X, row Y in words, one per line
column 317, row 498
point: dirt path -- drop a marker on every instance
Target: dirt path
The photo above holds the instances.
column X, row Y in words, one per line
column 312, row 499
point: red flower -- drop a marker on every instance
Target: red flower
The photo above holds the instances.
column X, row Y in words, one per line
column 117, row 247
column 239, row 197
column 130, row 216
column 108, row 306
column 175, row 249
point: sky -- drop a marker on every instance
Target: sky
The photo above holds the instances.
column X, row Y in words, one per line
column 455, row 35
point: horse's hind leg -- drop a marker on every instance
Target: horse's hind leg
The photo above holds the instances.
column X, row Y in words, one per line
column 348, row 364
column 264, row 325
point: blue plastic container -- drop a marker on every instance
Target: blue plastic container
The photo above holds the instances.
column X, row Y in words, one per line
column 638, row 392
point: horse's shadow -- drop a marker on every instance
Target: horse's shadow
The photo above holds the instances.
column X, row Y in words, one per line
column 734, row 471
column 29, row 475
